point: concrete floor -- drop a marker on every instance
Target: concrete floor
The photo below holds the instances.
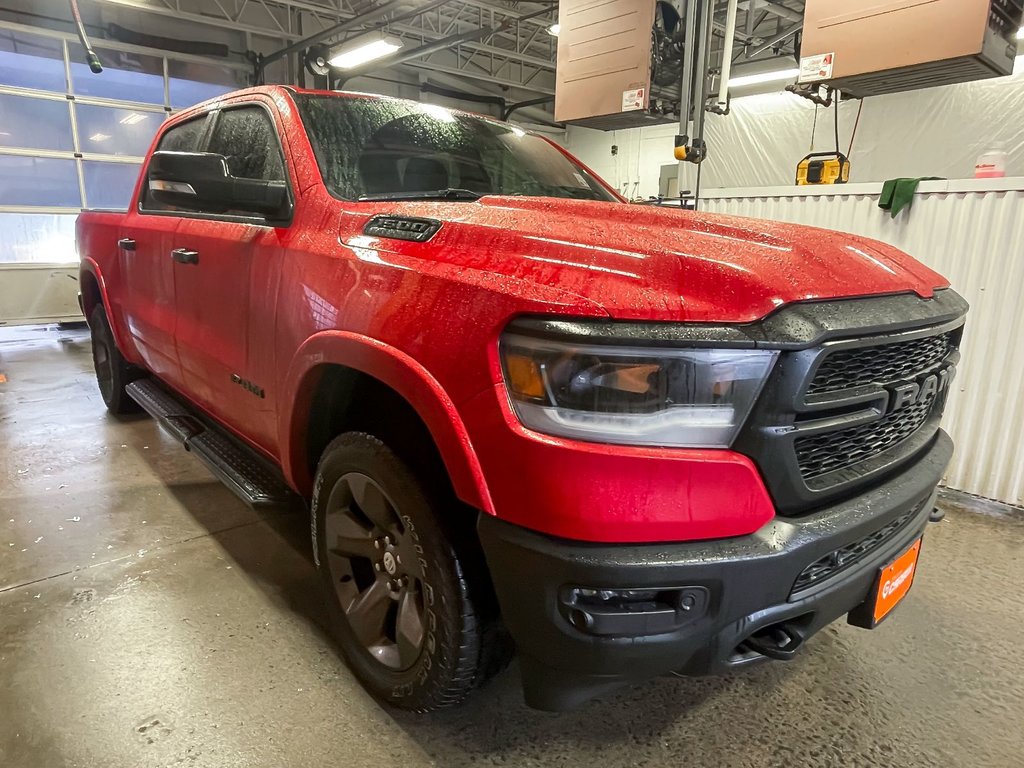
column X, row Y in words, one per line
column 147, row 617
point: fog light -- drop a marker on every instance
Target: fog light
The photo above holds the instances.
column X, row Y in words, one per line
column 632, row 612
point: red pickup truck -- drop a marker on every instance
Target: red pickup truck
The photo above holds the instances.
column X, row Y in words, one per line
column 622, row 440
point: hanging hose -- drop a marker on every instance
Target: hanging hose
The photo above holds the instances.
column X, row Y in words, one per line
column 696, row 189
column 837, row 121
column 814, row 127
column 855, row 124
column 90, row 55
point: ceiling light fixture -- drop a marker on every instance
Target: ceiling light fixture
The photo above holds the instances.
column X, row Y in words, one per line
column 764, row 77
column 132, row 118
column 554, row 29
column 1020, row 33
column 99, row 137
column 364, row 50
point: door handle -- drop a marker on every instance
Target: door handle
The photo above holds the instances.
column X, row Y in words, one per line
column 126, row 244
column 185, row 256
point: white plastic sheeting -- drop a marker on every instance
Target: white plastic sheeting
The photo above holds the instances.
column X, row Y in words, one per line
column 973, row 233
column 932, row 132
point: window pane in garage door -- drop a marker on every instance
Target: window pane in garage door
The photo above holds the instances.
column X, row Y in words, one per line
column 32, row 123
column 39, row 181
column 109, row 185
column 191, row 82
column 126, row 76
column 116, row 131
column 29, row 61
column 37, row 237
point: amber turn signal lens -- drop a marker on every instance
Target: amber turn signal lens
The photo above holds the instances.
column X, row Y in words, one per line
column 524, row 376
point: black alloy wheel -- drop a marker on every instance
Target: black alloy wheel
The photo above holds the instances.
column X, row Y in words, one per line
column 376, row 571
column 407, row 591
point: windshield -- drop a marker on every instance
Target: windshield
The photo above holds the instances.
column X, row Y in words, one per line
column 369, row 148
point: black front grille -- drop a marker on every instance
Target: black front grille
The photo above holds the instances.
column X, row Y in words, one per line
column 825, row 567
column 830, row 451
column 856, row 400
column 883, row 364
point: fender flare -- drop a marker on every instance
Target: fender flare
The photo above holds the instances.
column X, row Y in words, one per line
column 89, row 266
column 403, row 374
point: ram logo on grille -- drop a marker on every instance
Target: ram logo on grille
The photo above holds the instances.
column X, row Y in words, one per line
column 922, row 391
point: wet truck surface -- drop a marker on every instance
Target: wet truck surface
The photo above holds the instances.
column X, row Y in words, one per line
column 522, row 414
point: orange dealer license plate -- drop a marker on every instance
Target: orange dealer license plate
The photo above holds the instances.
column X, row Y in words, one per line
column 891, row 586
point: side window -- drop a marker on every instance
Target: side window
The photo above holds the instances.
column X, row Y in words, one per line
column 184, row 137
column 181, row 138
column 246, row 137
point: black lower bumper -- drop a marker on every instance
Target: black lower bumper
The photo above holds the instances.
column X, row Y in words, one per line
column 588, row 618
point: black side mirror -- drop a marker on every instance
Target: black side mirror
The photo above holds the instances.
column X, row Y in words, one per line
column 200, row 181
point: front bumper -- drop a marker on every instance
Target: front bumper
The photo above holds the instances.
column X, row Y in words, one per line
column 736, row 588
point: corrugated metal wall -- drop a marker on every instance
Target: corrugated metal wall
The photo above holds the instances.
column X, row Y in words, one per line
column 976, row 239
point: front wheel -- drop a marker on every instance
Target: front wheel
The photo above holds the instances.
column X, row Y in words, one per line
column 113, row 372
column 397, row 590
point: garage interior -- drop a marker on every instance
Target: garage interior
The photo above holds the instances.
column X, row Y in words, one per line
column 150, row 617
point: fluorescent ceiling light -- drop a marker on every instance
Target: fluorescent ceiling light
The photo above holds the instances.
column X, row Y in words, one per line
column 364, row 50
column 99, row 137
column 554, row 29
column 132, row 118
column 764, row 77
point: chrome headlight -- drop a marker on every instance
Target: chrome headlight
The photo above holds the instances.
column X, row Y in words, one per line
column 633, row 395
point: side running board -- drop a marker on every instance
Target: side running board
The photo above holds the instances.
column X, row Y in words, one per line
column 249, row 475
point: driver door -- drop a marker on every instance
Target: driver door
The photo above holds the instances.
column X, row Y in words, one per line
column 147, row 299
column 225, row 280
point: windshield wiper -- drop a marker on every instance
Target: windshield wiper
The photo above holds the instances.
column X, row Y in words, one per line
column 437, row 194
column 580, row 193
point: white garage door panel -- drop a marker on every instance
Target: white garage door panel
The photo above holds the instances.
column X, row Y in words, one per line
column 38, row 293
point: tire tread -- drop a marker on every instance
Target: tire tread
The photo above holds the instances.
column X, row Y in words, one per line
column 481, row 653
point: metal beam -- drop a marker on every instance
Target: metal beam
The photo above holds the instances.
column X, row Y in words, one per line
column 215, row 21
column 502, row 17
column 342, row 26
column 773, row 41
column 481, row 76
column 773, row 8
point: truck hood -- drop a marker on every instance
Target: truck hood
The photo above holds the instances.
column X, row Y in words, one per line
column 649, row 263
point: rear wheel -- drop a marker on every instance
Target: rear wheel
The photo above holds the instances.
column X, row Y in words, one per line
column 113, row 372
column 402, row 606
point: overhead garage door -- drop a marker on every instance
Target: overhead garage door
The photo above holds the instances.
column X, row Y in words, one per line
column 70, row 139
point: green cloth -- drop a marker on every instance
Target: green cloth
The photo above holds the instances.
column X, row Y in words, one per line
column 898, row 194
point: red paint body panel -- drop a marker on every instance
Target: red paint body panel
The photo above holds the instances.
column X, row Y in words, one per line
column 605, row 493
column 425, row 318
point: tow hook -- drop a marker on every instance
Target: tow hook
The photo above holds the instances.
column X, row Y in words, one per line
column 936, row 514
column 776, row 641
